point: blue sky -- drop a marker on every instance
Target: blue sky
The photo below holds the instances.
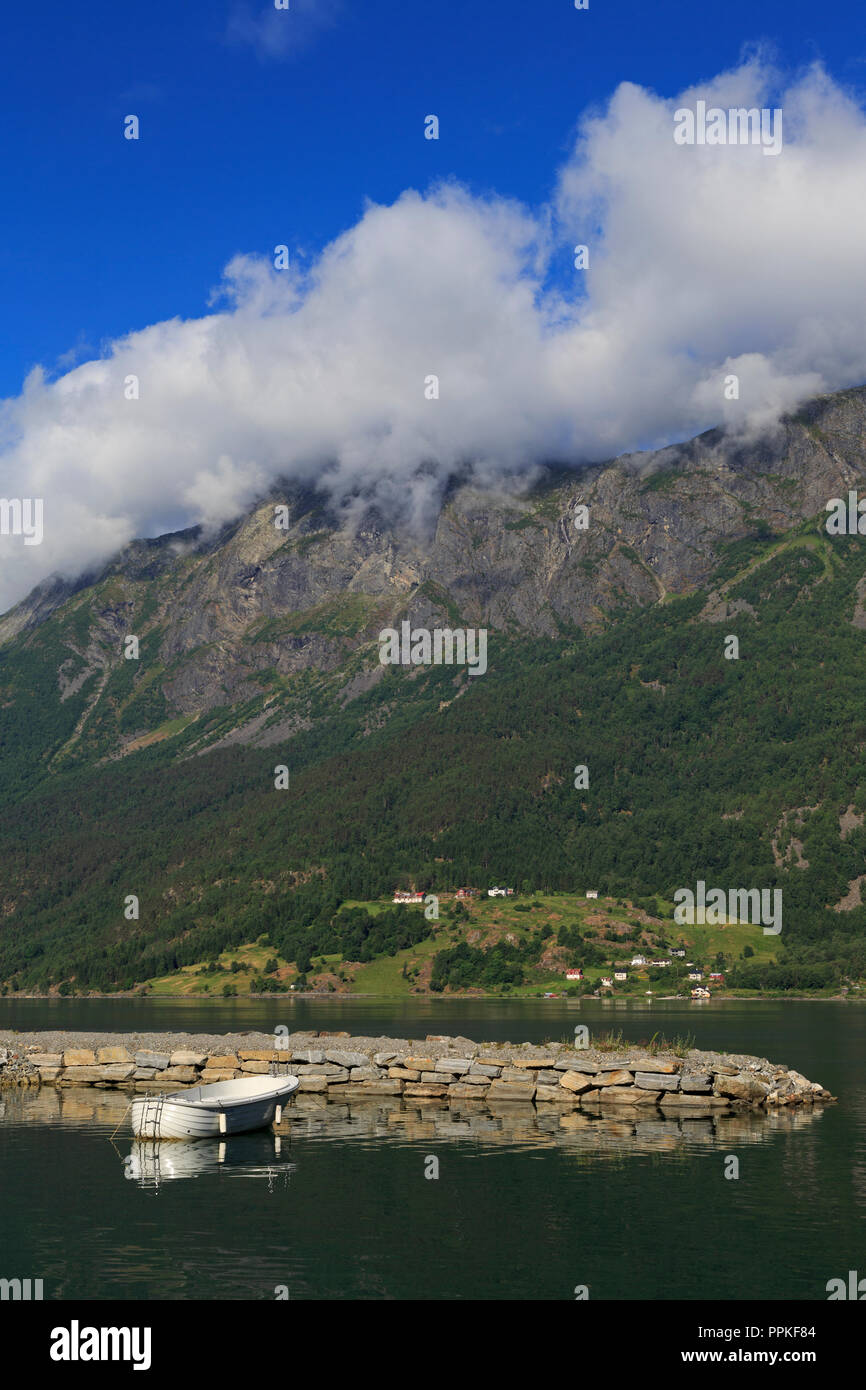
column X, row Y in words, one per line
column 241, row 150
column 411, row 261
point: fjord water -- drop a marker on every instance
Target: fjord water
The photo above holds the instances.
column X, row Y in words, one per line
column 525, row 1206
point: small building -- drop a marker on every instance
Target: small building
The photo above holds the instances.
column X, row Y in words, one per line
column 500, row 892
column 678, row 951
column 574, row 974
column 406, row 895
column 656, row 963
column 467, row 893
column 696, row 974
column 638, row 960
column 592, row 893
column 620, row 974
column 700, row 992
column 607, row 981
column 716, row 977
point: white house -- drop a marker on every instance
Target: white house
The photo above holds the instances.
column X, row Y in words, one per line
column 404, row 895
column 607, row 981
column 593, row 893
column 638, row 960
column 500, row 892
column 574, row 974
column 620, row 974
column 696, row 974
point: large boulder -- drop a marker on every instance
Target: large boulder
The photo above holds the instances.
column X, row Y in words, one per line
column 656, row 1081
column 180, row 1073
column 82, row 1075
column 558, row 1094
column 627, row 1095
column 383, row 1087
column 576, row 1082
column 462, row 1091
column 696, row 1081
column 116, row 1071
column 616, row 1077
column 743, row 1086
column 511, row 1090
column 158, row 1060
column 676, row 1100
column 347, row 1059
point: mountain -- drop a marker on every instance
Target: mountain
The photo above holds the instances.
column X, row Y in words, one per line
column 257, row 647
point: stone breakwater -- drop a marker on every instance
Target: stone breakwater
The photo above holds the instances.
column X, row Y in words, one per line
column 337, row 1066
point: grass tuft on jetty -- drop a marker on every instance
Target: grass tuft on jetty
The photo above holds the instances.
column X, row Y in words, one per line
column 679, row 1045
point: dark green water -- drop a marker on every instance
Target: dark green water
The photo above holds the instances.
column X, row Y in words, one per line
column 525, row 1206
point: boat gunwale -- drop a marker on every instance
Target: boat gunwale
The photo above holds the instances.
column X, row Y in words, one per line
column 222, row 1102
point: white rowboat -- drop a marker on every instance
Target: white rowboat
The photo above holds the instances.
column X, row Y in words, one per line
column 206, row 1112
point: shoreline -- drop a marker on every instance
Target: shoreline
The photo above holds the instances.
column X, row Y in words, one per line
column 218, row 1001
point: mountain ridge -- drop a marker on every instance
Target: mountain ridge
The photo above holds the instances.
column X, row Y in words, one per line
column 156, row 777
column 229, row 618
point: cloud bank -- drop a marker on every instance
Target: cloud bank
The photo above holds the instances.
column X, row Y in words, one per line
column 703, row 262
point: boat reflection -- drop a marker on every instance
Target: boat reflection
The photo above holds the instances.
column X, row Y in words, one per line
column 263, row 1155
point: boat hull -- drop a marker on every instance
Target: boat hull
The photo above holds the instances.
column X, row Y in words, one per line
column 210, row 1112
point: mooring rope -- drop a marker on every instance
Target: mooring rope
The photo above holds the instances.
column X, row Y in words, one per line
column 122, row 1118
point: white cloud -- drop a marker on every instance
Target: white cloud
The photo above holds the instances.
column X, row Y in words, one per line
column 705, row 261
column 282, row 33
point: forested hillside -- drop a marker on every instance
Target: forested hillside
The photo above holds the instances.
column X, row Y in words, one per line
column 743, row 773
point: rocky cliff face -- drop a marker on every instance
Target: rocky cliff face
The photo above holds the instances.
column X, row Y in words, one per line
column 264, row 623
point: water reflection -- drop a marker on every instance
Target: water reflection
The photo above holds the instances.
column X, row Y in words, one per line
column 525, row 1126
column 244, row 1155
column 600, row 1130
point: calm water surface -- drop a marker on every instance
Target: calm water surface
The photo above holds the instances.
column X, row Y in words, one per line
column 527, row 1205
